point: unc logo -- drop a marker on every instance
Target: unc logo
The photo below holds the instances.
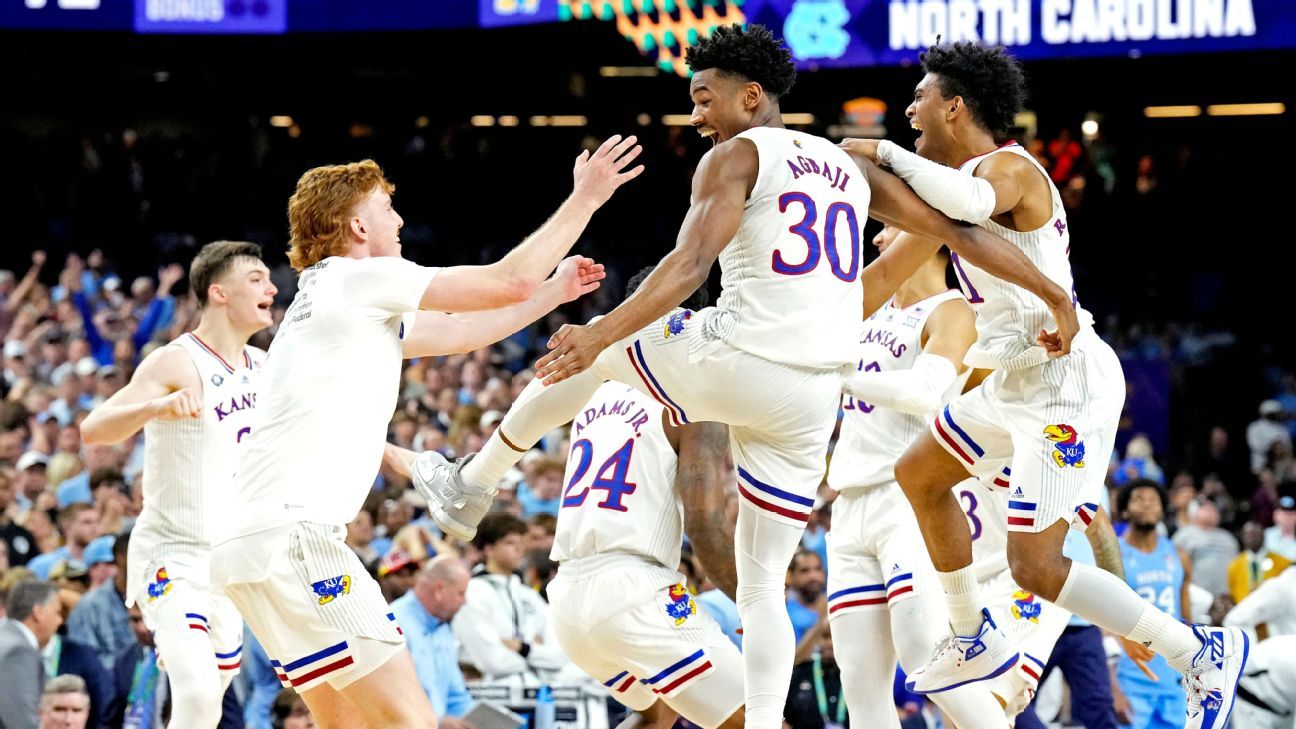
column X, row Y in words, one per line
column 1026, row 607
column 675, row 324
column 160, row 585
column 1067, row 448
column 814, row 29
column 681, row 604
column 333, row 587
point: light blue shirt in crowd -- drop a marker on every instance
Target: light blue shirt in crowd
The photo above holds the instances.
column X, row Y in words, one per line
column 435, row 652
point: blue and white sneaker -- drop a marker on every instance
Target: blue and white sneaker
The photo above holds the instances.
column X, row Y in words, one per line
column 1212, row 681
column 960, row 660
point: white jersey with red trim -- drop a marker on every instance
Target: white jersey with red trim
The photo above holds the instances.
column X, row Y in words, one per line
column 620, row 495
column 189, row 463
column 790, row 277
column 332, row 378
column 873, row 438
column 1008, row 316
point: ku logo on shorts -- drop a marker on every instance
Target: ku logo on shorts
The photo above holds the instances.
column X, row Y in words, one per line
column 160, row 585
column 331, row 588
column 675, row 324
column 1026, row 607
column 1068, row 450
column 681, row 604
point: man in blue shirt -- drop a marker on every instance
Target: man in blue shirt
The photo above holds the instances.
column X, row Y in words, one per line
column 805, row 588
column 424, row 614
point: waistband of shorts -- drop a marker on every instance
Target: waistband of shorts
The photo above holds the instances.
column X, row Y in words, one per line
column 582, row 568
column 856, row 489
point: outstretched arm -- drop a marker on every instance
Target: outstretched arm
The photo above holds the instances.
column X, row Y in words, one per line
column 703, row 449
column 514, row 278
column 720, row 188
column 894, row 203
column 435, row 333
column 165, row 386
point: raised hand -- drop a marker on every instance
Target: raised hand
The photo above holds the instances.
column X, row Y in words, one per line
column 598, row 175
column 169, row 277
column 578, row 275
column 183, row 403
column 38, row 259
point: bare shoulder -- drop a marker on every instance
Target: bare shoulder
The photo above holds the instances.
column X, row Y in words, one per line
column 954, row 310
column 169, row 366
column 1009, row 164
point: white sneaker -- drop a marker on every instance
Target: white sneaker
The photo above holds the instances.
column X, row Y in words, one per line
column 1212, row 681
column 455, row 506
column 960, row 660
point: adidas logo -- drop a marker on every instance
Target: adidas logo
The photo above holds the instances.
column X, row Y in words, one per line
column 1018, row 493
column 895, row 567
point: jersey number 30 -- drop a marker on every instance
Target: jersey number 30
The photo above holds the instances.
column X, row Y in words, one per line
column 614, row 483
column 815, row 249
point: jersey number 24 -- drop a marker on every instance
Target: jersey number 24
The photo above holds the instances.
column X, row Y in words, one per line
column 610, row 477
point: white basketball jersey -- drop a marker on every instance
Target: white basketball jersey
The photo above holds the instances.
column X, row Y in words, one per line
column 620, row 492
column 1010, row 317
column 189, row 463
column 331, row 383
column 790, row 277
column 873, row 438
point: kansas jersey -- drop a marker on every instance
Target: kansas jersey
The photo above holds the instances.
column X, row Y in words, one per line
column 620, row 492
column 873, row 438
column 331, row 383
column 1158, row 578
column 189, row 463
column 1009, row 317
column 790, row 277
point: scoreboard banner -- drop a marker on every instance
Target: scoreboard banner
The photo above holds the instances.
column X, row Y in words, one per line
column 821, row 33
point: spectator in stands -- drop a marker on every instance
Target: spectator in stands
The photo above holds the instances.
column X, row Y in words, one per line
column 1183, row 502
column 1223, row 458
column 1281, row 537
column 19, row 543
column 393, row 515
column 290, row 712
column 539, row 493
column 360, row 535
column 396, row 571
column 806, row 603
column 1265, row 498
column 65, row 703
column 32, row 478
column 1066, row 154
column 424, row 613
column 80, row 526
column 1255, row 565
column 34, row 615
column 1265, row 431
column 541, row 529
column 100, row 619
column 65, row 655
column 105, row 461
column 503, row 628
column 99, row 561
column 103, row 334
column 1209, row 548
column 815, row 699
column 539, row 570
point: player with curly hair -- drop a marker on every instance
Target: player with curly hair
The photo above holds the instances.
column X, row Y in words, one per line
column 783, row 212
column 1043, row 426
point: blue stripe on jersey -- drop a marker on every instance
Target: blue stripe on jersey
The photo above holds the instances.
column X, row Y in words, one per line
column 963, row 434
column 231, row 654
column 897, row 578
column 853, row 590
column 612, row 681
column 1022, row 505
column 673, row 668
column 775, row 491
column 331, row 650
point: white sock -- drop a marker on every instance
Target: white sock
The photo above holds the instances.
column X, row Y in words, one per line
column 538, row 410
column 963, row 594
column 1165, row 635
column 1106, row 601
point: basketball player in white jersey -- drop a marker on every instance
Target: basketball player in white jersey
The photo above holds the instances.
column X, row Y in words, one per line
column 620, row 607
column 883, row 598
column 783, row 212
column 1055, row 419
column 195, row 399
column 330, row 387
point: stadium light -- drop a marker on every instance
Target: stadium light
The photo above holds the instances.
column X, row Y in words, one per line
column 798, row 119
column 482, row 120
column 1276, row 107
column 1170, row 112
column 282, row 122
column 627, row 71
column 570, row 120
column 539, row 121
column 676, row 120
column 508, row 121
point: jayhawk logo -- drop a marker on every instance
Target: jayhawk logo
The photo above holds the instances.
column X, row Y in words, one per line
column 675, row 324
column 331, row 588
column 1068, row 450
column 160, row 585
column 1025, row 606
column 681, row 604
